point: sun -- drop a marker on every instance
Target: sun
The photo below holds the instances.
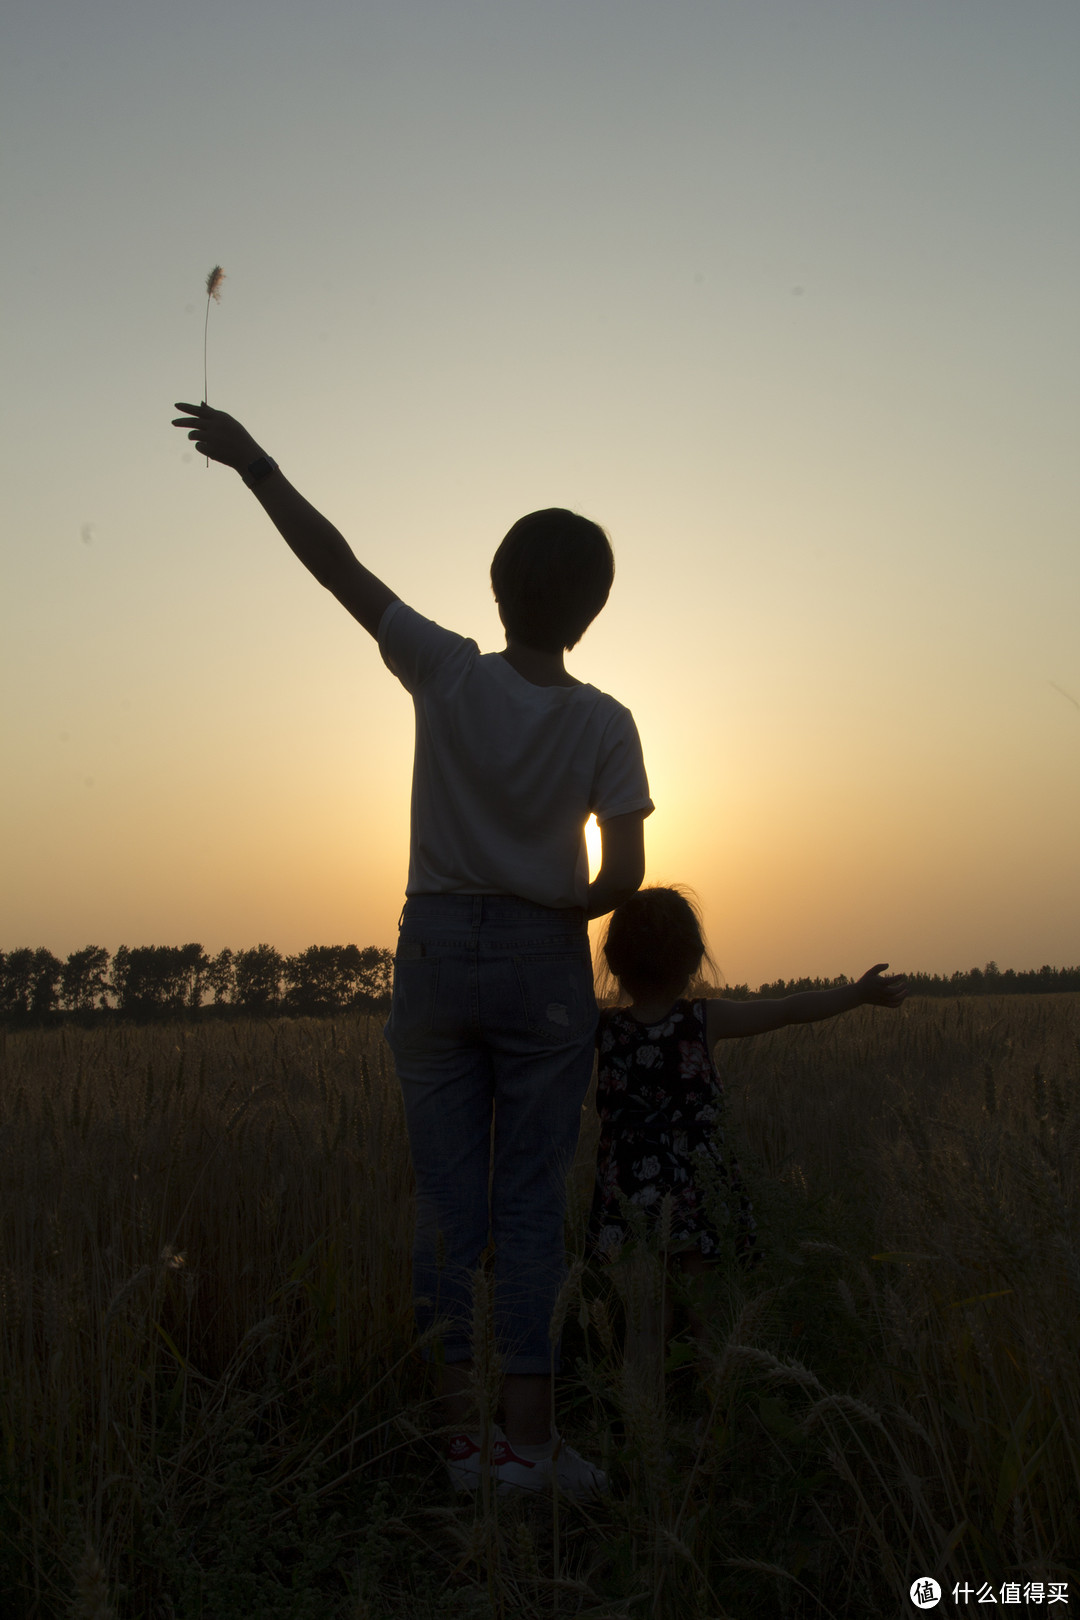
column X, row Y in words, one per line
column 592, row 846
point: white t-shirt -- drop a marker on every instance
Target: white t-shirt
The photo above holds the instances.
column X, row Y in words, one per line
column 505, row 773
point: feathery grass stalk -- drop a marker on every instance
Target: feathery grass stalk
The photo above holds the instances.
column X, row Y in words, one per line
column 213, row 290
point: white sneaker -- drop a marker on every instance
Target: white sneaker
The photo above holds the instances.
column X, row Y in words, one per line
column 511, row 1472
column 463, row 1459
column 576, row 1477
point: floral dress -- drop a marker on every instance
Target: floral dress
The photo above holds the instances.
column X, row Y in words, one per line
column 660, row 1099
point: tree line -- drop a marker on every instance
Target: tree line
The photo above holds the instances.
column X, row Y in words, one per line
column 144, row 982
column 154, row 981
column 986, row 981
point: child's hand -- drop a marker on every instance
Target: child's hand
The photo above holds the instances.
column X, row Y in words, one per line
column 218, row 435
column 880, row 990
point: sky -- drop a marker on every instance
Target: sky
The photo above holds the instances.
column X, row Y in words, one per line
column 781, row 292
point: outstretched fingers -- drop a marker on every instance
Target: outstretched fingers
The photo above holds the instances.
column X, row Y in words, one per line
column 197, row 415
column 888, row 990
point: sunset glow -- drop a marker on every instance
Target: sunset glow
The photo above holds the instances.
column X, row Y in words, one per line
column 783, row 296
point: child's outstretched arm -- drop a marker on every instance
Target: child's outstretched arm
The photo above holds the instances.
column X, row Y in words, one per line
column 727, row 1019
column 319, row 546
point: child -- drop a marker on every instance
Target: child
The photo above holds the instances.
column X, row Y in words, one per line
column 493, row 1017
column 658, row 1093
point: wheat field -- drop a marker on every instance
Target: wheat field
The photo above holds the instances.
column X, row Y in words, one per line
column 213, row 1403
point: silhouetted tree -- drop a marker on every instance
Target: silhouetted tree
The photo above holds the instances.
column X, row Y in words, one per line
column 792, row 987
column 82, row 979
column 47, row 971
column 29, row 983
column 321, row 979
column 193, row 967
column 330, row 978
column 154, row 979
column 375, row 977
column 257, row 978
column 158, row 980
column 976, row 982
column 16, row 968
column 221, row 976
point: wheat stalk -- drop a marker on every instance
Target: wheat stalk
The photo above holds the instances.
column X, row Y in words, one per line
column 91, row 1587
column 105, row 1181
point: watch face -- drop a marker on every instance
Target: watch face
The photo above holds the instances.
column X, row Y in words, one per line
column 259, row 469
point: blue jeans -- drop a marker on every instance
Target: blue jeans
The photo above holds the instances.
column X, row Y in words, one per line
column 492, row 1028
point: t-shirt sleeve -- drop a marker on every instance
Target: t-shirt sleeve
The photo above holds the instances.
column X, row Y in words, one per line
column 621, row 785
column 413, row 647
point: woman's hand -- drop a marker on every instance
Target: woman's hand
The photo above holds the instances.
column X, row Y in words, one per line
column 880, row 990
column 218, row 435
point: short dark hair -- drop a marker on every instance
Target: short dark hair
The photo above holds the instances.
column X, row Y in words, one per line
column 551, row 576
column 653, row 939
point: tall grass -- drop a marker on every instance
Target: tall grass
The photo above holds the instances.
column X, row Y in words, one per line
column 212, row 1401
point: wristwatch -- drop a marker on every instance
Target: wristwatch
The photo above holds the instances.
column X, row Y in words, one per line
column 260, row 468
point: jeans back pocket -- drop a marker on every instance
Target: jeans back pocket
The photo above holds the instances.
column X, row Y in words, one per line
column 557, row 997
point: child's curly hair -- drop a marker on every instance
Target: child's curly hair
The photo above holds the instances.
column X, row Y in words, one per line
column 653, row 939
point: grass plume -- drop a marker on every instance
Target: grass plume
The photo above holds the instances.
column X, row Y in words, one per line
column 213, row 290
